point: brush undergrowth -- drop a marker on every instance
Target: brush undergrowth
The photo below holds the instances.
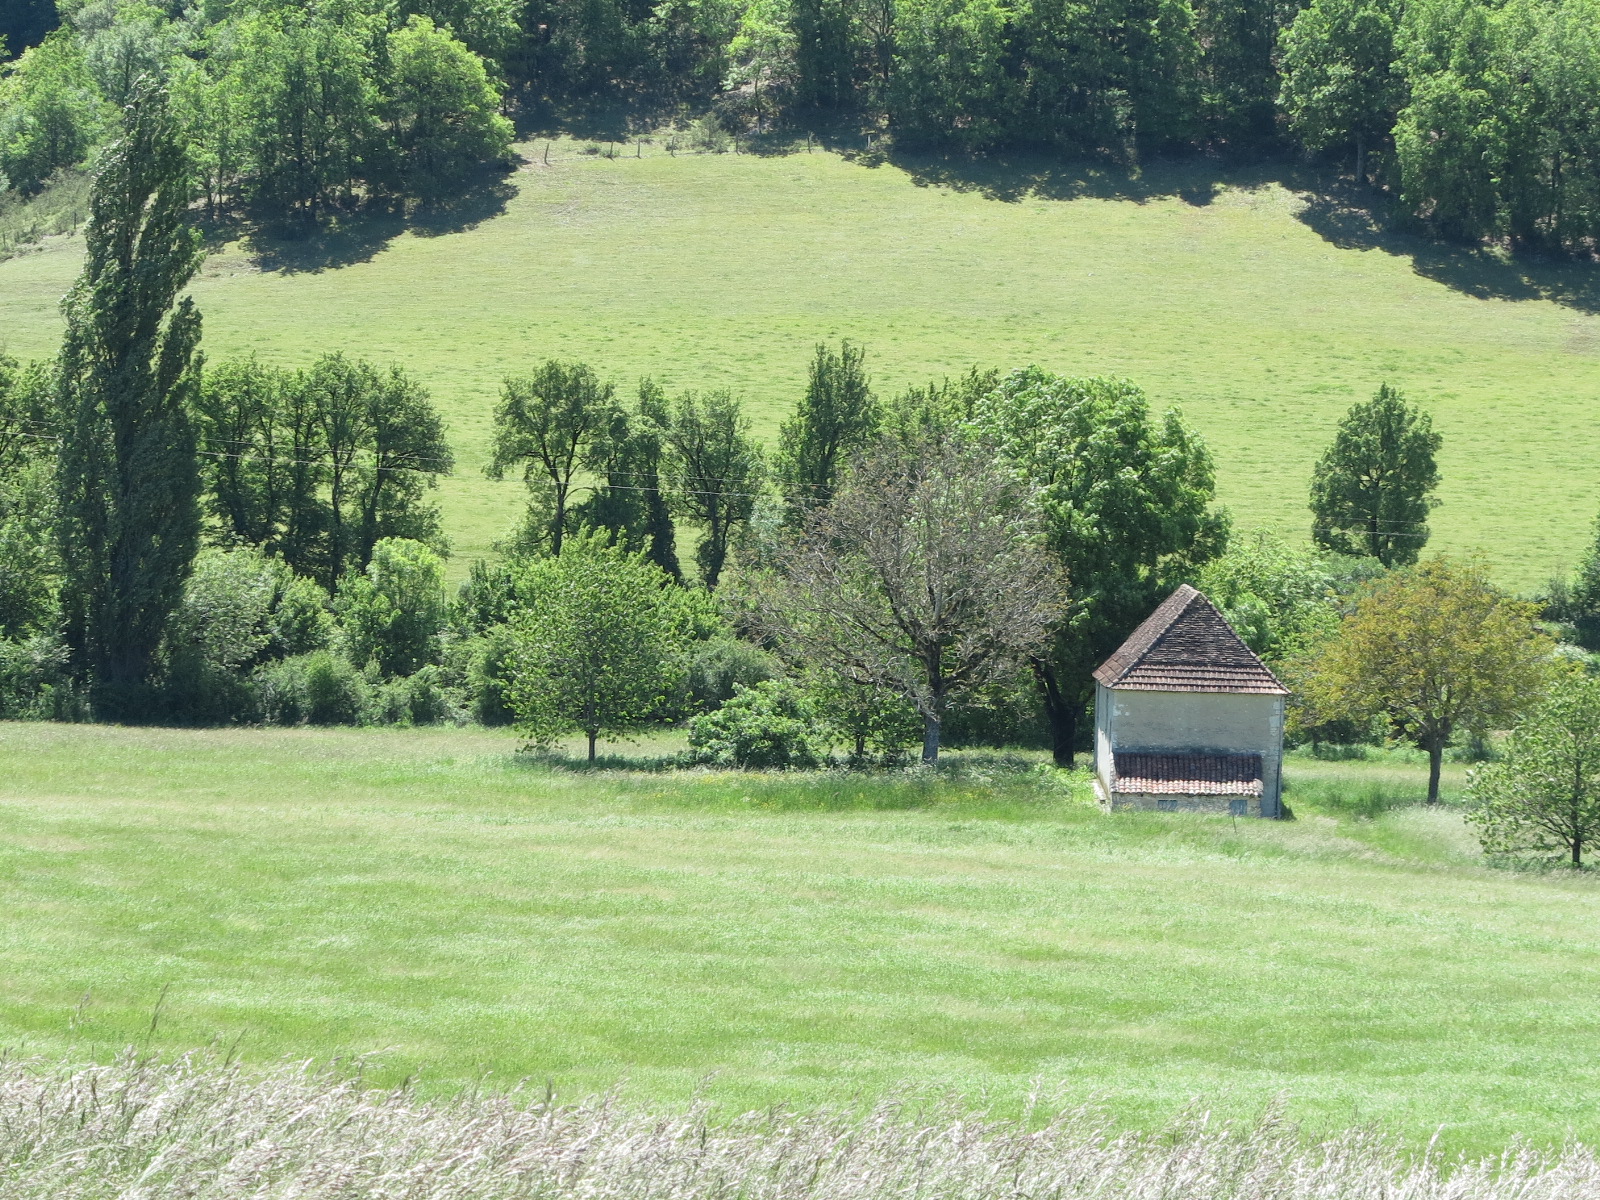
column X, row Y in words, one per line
column 198, row 1129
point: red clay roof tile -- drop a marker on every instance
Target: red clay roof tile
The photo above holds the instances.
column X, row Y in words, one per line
column 1186, row 645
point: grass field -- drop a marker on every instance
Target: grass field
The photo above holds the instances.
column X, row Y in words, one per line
column 1262, row 315
column 424, row 897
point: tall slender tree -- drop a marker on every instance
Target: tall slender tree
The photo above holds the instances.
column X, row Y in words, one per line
column 835, row 418
column 716, row 471
column 129, row 484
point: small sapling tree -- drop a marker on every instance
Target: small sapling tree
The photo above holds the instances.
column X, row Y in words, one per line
column 1544, row 795
column 1435, row 649
column 1372, row 491
column 925, row 576
column 599, row 636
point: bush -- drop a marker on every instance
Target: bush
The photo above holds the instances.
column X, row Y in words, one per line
column 720, row 666
column 319, row 688
column 34, row 684
column 768, row 725
column 419, row 699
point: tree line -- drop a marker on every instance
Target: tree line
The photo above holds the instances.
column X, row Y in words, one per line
column 295, row 112
column 1480, row 115
column 248, row 543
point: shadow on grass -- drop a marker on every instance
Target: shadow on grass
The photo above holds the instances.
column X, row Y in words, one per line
column 359, row 237
column 1354, row 219
column 1345, row 216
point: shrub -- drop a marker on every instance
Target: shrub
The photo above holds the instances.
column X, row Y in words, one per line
column 423, row 698
column 721, row 665
column 34, row 684
column 319, row 688
column 769, row 725
column 392, row 613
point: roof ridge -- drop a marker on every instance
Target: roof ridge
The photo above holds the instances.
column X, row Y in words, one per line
column 1187, row 645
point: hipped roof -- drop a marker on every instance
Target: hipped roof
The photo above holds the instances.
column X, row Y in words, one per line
column 1186, row 645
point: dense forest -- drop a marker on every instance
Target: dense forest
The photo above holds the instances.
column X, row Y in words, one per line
column 1481, row 116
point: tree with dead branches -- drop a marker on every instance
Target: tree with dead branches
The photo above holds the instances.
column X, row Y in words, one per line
column 926, row 575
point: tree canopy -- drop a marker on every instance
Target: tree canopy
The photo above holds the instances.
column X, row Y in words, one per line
column 1435, row 649
column 1372, row 489
column 1125, row 499
column 1543, row 795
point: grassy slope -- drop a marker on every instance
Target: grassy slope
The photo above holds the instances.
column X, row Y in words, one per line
column 722, row 271
column 421, row 895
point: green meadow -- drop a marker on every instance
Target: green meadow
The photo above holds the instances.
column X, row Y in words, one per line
column 1260, row 309
column 430, row 900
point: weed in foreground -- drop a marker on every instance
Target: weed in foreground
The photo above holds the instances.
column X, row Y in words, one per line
column 205, row 1131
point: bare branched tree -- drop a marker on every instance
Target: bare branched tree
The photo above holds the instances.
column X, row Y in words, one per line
column 925, row 575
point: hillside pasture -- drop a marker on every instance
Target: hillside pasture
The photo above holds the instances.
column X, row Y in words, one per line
column 1260, row 307
column 431, row 900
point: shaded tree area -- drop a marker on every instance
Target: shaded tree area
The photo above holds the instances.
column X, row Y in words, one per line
column 319, row 465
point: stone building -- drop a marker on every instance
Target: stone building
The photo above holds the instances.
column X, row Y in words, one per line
column 1188, row 718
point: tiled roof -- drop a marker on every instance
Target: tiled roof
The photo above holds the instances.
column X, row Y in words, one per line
column 1186, row 645
column 1187, row 774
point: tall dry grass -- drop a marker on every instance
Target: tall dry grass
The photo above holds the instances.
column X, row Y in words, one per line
column 196, row 1129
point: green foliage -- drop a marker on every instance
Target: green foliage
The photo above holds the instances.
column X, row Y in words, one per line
column 51, row 114
column 318, row 466
column 126, row 43
column 442, row 110
column 1543, row 795
column 1372, row 490
column 320, row 688
column 130, row 518
column 715, row 472
column 1436, row 650
column 1497, row 140
column 600, row 635
column 719, row 666
column 835, row 418
column 628, row 500
column 392, row 613
column 874, row 722
column 1339, row 84
column 1126, row 502
column 767, row 726
column 36, row 680
column 549, row 423
column 1282, row 598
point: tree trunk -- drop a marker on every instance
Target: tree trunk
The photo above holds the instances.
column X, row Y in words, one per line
column 1063, row 715
column 930, row 740
column 1577, row 848
column 1435, row 759
column 1361, row 160
column 593, row 733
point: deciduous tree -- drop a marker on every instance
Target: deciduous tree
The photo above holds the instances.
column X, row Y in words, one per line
column 715, row 471
column 1372, row 491
column 1126, row 503
column 1544, row 793
column 1436, row 649
column 836, row 417
column 548, row 423
column 925, row 576
column 599, row 636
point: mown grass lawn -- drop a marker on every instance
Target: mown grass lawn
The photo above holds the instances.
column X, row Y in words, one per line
column 426, row 898
column 1221, row 292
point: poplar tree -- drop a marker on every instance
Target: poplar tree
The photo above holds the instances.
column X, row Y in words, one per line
column 129, row 485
